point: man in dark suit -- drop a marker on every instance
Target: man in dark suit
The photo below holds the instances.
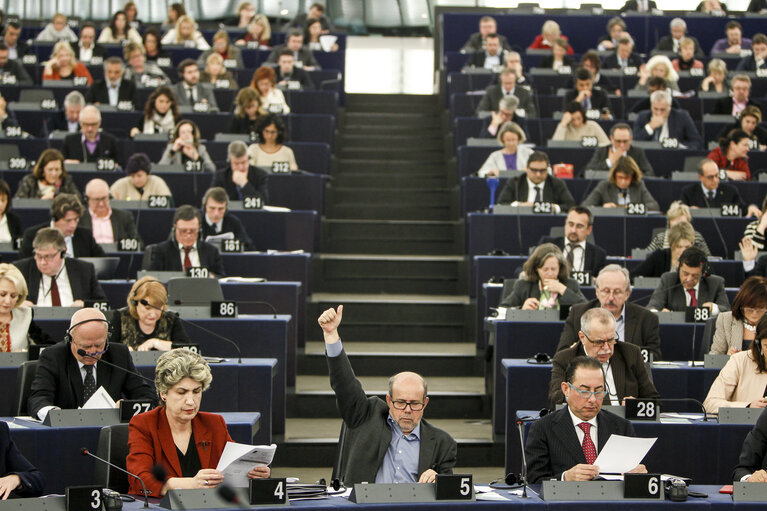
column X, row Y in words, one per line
column 653, row 83
column 690, row 287
column 108, row 225
column 624, row 56
column 12, row 67
column 66, row 210
column 752, row 463
column 492, row 57
column 678, row 31
column 711, row 193
column 289, row 76
column 386, row 442
column 476, row 41
column 564, row 444
column 639, row 6
column 740, row 90
column 316, row 12
column 91, row 144
column 219, row 222
column 507, row 87
column 189, row 91
column 591, row 97
column 537, row 185
column 185, row 250
column 16, row 48
column 621, row 137
column 662, row 123
column 67, row 119
column 67, row 379
column 22, row 479
column 633, row 323
column 622, row 362
column 113, row 90
column 295, row 43
column 87, row 50
column 582, row 255
column 54, row 280
column 758, row 57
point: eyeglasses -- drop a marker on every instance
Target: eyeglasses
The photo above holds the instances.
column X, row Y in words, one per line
column 188, row 232
column 586, row 394
column 46, row 257
column 538, row 171
column 753, row 310
column 601, row 342
column 617, row 293
column 400, row 404
column 99, row 199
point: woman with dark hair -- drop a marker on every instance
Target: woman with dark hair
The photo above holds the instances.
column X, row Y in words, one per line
column 623, row 186
column 10, row 223
column 185, row 148
column 247, row 111
column 546, row 283
column 131, row 13
column 48, row 179
column 749, row 121
column 736, row 329
column 559, row 57
column 574, row 126
column 742, row 381
column 160, row 113
column 312, row 34
column 272, row 99
column 223, row 48
column 175, row 11
column 270, row 148
column 732, row 155
column 153, row 45
column 680, row 237
column 119, row 30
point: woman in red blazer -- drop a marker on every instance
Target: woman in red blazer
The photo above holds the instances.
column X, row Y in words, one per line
column 186, row 442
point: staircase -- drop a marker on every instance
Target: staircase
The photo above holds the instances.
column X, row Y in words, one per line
column 392, row 253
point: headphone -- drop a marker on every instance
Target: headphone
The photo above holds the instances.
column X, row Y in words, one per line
column 540, row 358
column 705, row 270
column 133, row 300
column 68, row 334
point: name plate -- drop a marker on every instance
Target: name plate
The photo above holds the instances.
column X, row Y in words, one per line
column 268, row 492
column 454, row 487
column 733, row 415
column 643, row 486
column 62, row 418
column 587, row 490
column 231, row 246
column 749, row 492
column 198, row 272
column 390, row 493
column 712, row 361
column 642, row 409
column 730, row 210
column 128, row 245
column 697, row 314
column 158, row 201
column 225, row 309
column 543, row 208
column 590, row 141
column 583, row 278
column 129, row 408
column 82, row 498
column 636, row 209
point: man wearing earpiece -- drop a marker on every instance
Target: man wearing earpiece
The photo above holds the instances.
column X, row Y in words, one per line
column 69, row 373
column 108, row 225
column 690, row 286
column 537, row 185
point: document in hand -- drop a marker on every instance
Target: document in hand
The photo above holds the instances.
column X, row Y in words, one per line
column 622, row 453
column 237, row 460
column 99, row 400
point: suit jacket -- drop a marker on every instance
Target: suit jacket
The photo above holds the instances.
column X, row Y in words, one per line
column 305, row 56
column 723, row 106
column 82, row 279
column 493, row 95
column 760, row 268
column 554, row 190
column 150, row 443
column 753, row 454
column 123, row 226
column 629, row 373
column 611, row 62
column 692, row 195
column 59, row 382
column 671, row 295
column 594, row 257
column 255, row 187
column 641, row 327
column 552, row 445
column 17, row 69
column 598, row 160
column 74, row 148
column 82, row 242
column 606, row 192
column 680, row 127
column 300, row 22
column 749, row 64
column 478, row 58
column 99, row 50
column 166, row 257
column 644, row 104
column 475, row 43
column 368, row 434
column 14, row 226
column 656, row 264
column 598, row 98
column 204, row 93
column 98, row 93
column 547, row 62
column 632, row 5
column 57, row 121
column 728, row 332
column 666, row 43
column 298, row 75
column 524, row 289
column 13, row 462
column 232, row 224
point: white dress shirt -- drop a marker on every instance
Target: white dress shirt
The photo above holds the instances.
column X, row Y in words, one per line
column 65, row 289
column 579, row 254
column 194, row 256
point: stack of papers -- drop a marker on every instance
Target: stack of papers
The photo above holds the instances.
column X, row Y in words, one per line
column 238, row 459
column 622, row 454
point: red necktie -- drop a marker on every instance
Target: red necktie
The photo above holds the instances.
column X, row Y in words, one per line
column 187, row 261
column 693, row 300
column 55, row 297
column 588, row 446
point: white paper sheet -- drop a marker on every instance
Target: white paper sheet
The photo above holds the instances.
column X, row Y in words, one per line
column 327, row 41
column 623, row 453
column 99, row 400
column 237, row 460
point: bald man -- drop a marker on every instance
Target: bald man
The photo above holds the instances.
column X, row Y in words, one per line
column 108, row 225
column 386, row 442
column 69, row 372
column 91, row 144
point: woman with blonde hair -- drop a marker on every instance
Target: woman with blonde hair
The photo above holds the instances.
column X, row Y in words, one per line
column 247, row 112
column 222, row 47
column 680, row 237
column 185, row 33
column 259, row 33
column 17, row 326
column 623, row 186
column 677, row 212
column 216, row 74
column 660, row 66
column 550, row 32
column 512, row 156
column 63, row 64
column 716, row 81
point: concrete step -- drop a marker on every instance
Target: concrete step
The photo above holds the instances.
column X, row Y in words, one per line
column 403, row 180
column 365, row 211
column 392, row 237
column 353, row 139
column 392, row 119
column 354, row 273
column 392, row 102
column 393, row 165
column 393, row 196
column 387, row 153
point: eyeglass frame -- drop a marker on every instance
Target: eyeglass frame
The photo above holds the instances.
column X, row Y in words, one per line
column 602, row 342
column 421, row 404
column 586, row 394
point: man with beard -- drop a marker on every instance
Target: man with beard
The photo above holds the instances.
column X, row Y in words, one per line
column 582, row 255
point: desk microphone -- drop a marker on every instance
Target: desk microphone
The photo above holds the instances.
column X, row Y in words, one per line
column 716, row 225
column 84, row 353
column 86, row 452
column 228, row 494
column 686, row 400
